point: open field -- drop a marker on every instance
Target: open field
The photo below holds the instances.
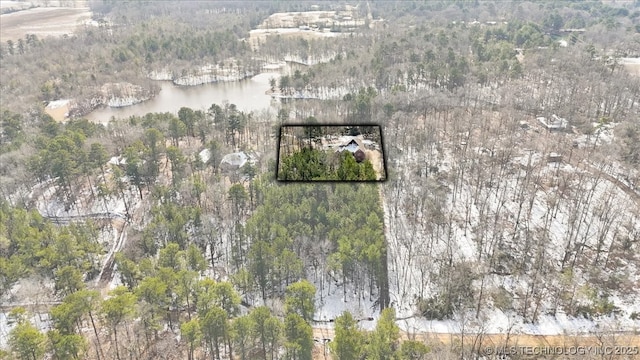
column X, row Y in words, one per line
column 307, row 25
column 632, row 65
column 42, row 22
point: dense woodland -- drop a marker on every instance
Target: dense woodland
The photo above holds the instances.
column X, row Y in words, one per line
column 163, row 254
column 316, row 165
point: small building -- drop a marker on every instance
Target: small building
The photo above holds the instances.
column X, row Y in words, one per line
column 118, row 161
column 234, row 161
column 554, row 158
column 555, row 123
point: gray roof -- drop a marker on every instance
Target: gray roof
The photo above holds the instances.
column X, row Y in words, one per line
column 235, row 160
column 351, row 145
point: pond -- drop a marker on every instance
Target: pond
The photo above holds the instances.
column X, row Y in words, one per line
column 248, row 95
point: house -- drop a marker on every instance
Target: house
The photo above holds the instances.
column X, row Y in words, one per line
column 234, row 161
column 355, row 146
column 555, row 123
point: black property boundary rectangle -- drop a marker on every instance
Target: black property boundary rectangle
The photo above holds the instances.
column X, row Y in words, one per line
column 382, row 147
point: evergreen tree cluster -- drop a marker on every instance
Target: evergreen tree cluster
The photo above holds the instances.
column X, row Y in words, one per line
column 383, row 343
column 294, row 224
column 316, row 165
column 32, row 245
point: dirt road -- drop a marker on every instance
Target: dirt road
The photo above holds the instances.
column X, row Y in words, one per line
column 494, row 342
column 623, row 339
column 378, row 163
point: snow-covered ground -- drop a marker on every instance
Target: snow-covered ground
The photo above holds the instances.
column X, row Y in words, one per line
column 416, row 246
column 331, row 303
column 50, row 205
column 40, row 321
column 296, row 31
column 57, row 103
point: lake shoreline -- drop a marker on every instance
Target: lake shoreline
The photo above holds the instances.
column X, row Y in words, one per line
column 248, row 92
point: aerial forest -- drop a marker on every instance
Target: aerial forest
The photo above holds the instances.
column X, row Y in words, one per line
column 510, row 206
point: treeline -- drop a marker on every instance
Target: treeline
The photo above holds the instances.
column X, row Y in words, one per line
column 205, row 312
column 72, row 159
column 312, row 164
column 172, row 290
column 382, row 343
column 216, row 328
column 553, row 15
column 63, row 155
column 336, row 229
column 428, row 56
column 72, row 153
column 435, row 55
column 32, row 245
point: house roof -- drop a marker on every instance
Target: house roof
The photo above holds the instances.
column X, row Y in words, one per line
column 555, row 122
column 235, row 159
column 351, row 144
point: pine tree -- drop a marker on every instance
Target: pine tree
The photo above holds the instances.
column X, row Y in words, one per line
column 215, row 329
column 241, row 334
column 260, row 265
column 67, row 346
column 300, row 299
column 26, row 341
column 349, row 340
column 117, row 309
column 413, row 350
column 152, row 291
column 68, row 280
column 384, row 340
column 267, row 329
column 226, row 297
column 299, row 338
column 190, row 332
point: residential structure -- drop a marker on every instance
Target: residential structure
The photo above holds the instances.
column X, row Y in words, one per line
column 555, row 123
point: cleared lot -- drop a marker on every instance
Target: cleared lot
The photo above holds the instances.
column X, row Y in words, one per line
column 42, row 22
